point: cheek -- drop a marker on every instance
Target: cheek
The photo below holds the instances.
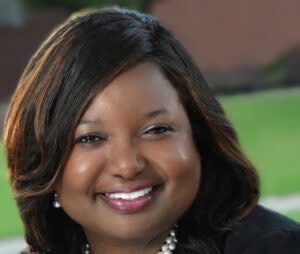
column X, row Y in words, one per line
column 180, row 164
column 186, row 170
column 76, row 182
column 80, row 172
column 179, row 159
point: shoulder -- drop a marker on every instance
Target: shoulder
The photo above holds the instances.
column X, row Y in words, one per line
column 264, row 231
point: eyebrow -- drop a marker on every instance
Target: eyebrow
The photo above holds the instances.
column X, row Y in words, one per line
column 88, row 122
column 147, row 115
column 156, row 112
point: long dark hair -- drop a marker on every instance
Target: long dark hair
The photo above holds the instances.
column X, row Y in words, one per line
column 84, row 53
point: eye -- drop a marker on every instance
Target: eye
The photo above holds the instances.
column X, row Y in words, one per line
column 89, row 139
column 158, row 129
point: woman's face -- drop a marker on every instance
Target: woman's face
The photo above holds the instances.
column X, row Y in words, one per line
column 134, row 168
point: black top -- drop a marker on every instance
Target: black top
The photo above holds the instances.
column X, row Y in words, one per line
column 264, row 231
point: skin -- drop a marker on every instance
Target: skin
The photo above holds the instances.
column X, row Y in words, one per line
column 123, row 147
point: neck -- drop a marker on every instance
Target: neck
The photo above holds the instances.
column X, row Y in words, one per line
column 102, row 245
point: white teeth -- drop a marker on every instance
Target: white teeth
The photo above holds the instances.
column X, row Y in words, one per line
column 131, row 195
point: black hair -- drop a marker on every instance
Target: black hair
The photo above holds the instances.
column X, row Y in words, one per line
column 84, row 53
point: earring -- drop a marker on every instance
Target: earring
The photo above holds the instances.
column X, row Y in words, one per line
column 56, row 203
column 86, row 249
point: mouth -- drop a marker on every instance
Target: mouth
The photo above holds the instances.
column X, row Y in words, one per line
column 130, row 202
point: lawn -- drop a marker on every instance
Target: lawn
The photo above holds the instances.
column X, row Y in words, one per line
column 294, row 215
column 268, row 125
column 9, row 218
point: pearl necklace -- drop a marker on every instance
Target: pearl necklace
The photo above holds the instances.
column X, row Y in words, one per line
column 167, row 248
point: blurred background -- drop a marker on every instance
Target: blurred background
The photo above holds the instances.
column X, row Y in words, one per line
column 248, row 50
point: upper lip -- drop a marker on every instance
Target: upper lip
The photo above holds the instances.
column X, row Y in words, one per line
column 128, row 188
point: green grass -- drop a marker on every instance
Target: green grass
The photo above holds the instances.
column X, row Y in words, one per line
column 268, row 125
column 9, row 218
column 295, row 215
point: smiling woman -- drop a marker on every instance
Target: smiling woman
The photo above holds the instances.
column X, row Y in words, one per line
column 115, row 144
column 133, row 151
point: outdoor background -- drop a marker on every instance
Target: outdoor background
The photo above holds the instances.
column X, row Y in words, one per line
column 248, row 50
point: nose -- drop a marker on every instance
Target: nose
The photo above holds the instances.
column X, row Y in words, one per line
column 126, row 161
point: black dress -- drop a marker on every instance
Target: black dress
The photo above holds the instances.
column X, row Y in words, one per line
column 264, row 231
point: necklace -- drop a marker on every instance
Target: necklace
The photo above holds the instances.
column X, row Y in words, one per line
column 167, row 248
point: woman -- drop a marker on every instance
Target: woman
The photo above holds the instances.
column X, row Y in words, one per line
column 115, row 144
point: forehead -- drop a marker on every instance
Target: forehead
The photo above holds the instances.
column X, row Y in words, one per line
column 141, row 88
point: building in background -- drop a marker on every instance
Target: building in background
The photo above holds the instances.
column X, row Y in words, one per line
column 19, row 38
column 11, row 13
column 227, row 34
column 231, row 40
column 238, row 44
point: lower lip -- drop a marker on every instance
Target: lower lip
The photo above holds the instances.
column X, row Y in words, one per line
column 129, row 206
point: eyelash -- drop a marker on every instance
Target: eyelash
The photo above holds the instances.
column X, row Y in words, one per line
column 165, row 127
column 94, row 138
column 89, row 138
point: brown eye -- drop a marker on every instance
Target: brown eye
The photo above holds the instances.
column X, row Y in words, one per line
column 159, row 129
column 89, row 138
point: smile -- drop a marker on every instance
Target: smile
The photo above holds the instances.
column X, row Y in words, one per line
column 131, row 195
column 130, row 202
